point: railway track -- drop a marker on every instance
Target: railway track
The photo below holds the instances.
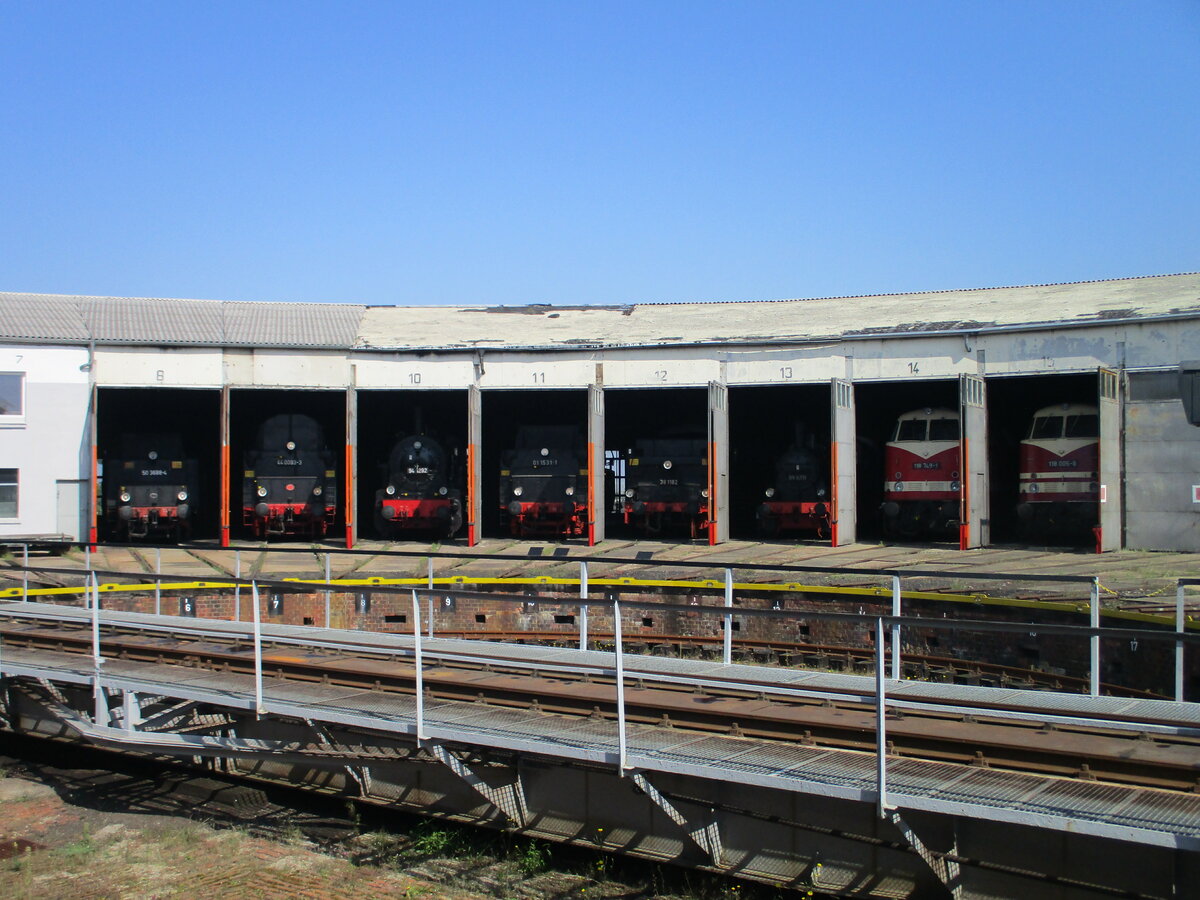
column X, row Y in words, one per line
column 1135, row 752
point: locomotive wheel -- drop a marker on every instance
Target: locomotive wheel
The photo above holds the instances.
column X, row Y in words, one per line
column 455, row 523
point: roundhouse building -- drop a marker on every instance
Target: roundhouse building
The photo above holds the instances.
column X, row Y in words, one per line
column 80, row 375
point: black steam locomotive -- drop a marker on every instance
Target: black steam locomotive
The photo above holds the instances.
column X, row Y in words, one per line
column 667, row 486
column 150, row 488
column 289, row 485
column 798, row 497
column 420, row 491
column 543, row 482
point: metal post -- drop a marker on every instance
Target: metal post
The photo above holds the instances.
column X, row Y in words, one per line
column 87, row 556
column 237, row 589
column 157, row 581
column 25, row 589
column 327, row 622
column 130, row 702
column 727, row 652
column 880, row 721
column 1179, row 623
column 621, row 745
column 896, row 628
column 583, row 610
column 429, row 583
column 1095, row 639
column 258, row 688
column 416, row 604
column 97, row 659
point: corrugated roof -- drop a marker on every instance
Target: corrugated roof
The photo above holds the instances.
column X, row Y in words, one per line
column 151, row 320
column 57, row 318
column 292, row 324
column 37, row 316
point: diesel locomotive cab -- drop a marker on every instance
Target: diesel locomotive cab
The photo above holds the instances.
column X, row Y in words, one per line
column 797, row 500
column 420, row 492
column 289, row 485
column 1060, row 473
column 149, row 488
column 668, row 486
column 922, row 475
column 543, row 482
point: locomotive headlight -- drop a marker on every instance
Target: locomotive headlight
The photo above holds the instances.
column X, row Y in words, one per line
column 181, row 496
column 667, row 464
column 518, row 491
column 416, row 445
column 770, row 492
column 1033, row 489
column 153, row 454
column 820, row 492
column 318, row 491
column 704, row 493
column 125, row 496
column 545, row 451
column 262, row 491
column 629, row 492
column 898, row 475
column 391, row 490
column 570, row 491
column 443, row 491
column 899, row 486
column 291, row 445
column 954, row 485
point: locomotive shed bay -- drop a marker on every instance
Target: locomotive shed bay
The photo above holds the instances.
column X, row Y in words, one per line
column 1016, row 564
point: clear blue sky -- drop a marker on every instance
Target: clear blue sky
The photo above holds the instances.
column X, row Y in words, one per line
column 594, row 152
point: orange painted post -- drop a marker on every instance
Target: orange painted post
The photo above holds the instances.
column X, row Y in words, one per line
column 349, row 496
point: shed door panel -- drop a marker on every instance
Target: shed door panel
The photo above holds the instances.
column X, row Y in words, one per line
column 596, row 498
column 973, row 520
column 351, row 486
column 718, row 462
column 1110, row 460
column 844, row 433
column 474, row 465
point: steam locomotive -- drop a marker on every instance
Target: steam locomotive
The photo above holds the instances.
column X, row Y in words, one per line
column 543, row 482
column 921, row 489
column 798, row 497
column 289, row 485
column 668, row 486
column 420, row 490
column 1060, row 472
column 150, row 488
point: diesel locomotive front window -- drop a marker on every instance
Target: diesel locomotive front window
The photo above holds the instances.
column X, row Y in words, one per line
column 943, row 430
column 1046, row 428
column 12, row 394
column 8, row 493
column 910, row 430
column 1083, row 426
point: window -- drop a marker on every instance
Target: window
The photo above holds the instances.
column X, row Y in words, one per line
column 12, row 394
column 910, row 430
column 943, row 430
column 1083, row 426
column 8, row 493
column 1046, row 428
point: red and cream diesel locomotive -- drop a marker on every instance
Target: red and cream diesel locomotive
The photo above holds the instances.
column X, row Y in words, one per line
column 922, row 464
column 1060, row 472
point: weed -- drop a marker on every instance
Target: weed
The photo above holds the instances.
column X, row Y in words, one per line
column 533, row 859
column 85, row 846
column 433, row 840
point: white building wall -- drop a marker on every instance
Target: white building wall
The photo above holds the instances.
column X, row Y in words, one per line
column 49, row 445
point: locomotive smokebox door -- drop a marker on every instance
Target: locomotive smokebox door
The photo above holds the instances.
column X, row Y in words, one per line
column 187, row 607
column 275, row 605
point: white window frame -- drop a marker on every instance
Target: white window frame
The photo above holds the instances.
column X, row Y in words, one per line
column 16, row 418
column 16, row 482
